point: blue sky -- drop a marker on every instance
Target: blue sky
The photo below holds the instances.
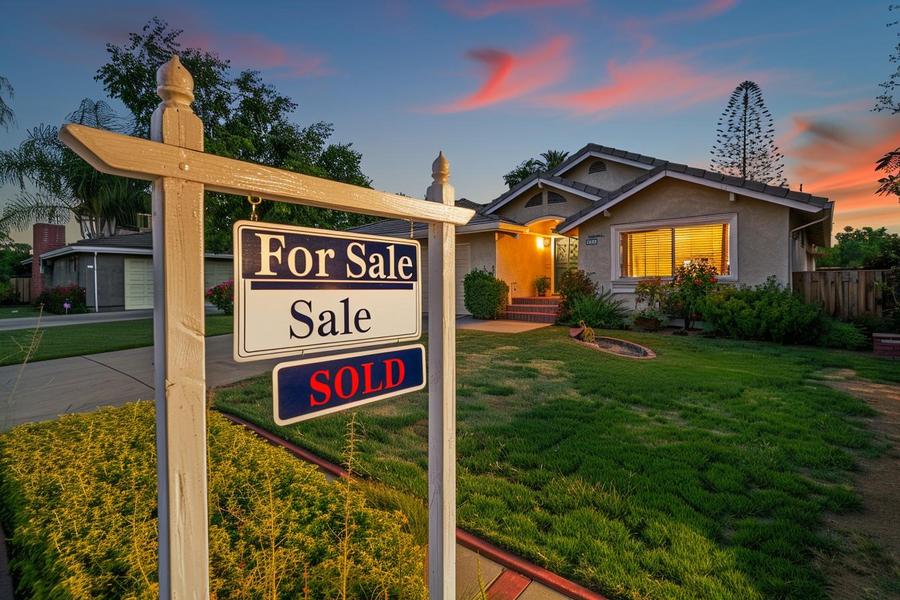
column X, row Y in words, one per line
column 492, row 82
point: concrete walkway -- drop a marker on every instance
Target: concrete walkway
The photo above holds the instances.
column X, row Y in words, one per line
column 48, row 320
column 497, row 325
column 46, row 389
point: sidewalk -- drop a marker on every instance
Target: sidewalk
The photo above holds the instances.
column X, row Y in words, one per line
column 48, row 320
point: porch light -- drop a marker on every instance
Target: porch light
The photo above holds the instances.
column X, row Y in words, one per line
column 542, row 243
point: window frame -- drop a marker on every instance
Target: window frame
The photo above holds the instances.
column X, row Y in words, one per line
column 621, row 283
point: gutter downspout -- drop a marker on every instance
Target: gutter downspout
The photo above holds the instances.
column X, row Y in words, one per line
column 96, row 293
column 791, row 246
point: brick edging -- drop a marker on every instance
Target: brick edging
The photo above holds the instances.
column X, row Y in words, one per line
column 473, row 542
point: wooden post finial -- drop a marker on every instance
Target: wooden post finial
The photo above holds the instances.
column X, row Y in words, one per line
column 174, row 83
column 440, row 169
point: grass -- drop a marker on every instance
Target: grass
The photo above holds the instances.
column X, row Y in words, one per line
column 17, row 311
column 704, row 473
column 90, row 338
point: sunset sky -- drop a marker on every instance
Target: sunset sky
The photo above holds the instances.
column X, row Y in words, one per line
column 492, row 82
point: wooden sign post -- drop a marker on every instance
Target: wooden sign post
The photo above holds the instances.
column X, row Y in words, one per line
column 180, row 171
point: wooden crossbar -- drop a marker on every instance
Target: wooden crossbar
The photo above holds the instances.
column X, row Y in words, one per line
column 138, row 158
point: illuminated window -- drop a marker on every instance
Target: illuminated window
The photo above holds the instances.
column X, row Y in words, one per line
column 535, row 200
column 554, row 198
column 658, row 252
column 598, row 166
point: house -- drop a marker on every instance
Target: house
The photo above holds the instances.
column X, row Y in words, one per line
column 116, row 271
column 622, row 217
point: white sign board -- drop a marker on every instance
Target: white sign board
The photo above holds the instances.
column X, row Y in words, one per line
column 299, row 289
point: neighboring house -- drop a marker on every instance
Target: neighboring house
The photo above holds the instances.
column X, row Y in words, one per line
column 623, row 217
column 116, row 272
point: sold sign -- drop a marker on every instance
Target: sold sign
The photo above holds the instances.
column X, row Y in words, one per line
column 312, row 387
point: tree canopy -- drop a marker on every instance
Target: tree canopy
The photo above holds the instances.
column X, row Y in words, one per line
column 547, row 161
column 745, row 139
column 863, row 248
column 243, row 117
column 889, row 164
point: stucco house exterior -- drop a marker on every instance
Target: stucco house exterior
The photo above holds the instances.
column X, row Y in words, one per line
column 623, row 217
column 116, row 271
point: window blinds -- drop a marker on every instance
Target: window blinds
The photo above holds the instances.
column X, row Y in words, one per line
column 658, row 252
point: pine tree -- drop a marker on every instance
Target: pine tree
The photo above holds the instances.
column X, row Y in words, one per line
column 745, row 139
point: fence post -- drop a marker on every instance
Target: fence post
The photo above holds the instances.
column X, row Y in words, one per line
column 441, row 392
column 179, row 352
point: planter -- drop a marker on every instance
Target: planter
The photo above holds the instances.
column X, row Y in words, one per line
column 886, row 345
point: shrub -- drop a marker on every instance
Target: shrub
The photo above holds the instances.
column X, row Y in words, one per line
column 602, row 311
column 55, row 299
column 573, row 283
column 767, row 312
column 222, row 296
column 541, row 285
column 78, row 496
column 690, row 286
column 846, row 336
column 484, row 295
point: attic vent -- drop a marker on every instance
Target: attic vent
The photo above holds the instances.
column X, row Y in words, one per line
column 598, row 166
column 554, row 198
column 535, row 200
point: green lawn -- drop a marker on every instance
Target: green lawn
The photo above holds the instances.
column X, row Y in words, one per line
column 90, row 338
column 701, row 474
column 17, row 311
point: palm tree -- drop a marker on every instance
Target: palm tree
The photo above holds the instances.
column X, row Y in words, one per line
column 56, row 185
column 6, row 113
column 552, row 159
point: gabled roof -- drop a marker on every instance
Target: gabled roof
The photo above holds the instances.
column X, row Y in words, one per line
column 745, row 187
column 596, row 150
column 574, row 187
column 401, row 228
column 131, row 243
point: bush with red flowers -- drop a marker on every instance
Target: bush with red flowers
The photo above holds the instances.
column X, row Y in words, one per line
column 690, row 286
column 222, row 296
column 63, row 299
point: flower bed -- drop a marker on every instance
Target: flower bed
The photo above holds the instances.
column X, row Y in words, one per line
column 78, row 498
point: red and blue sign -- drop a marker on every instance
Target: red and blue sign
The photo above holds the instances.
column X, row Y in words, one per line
column 313, row 387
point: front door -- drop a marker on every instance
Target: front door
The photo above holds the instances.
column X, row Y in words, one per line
column 565, row 258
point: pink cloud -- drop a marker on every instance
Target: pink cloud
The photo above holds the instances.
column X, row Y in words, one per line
column 512, row 76
column 489, row 8
column 697, row 12
column 664, row 83
column 256, row 52
column 833, row 151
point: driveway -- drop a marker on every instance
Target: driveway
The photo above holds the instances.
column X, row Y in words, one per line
column 46, row 389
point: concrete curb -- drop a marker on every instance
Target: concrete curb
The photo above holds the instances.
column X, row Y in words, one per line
column 473, row 542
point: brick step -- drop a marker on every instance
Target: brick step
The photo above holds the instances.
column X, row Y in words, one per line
column 533, row 308
column 536, row 300
column 530, row 317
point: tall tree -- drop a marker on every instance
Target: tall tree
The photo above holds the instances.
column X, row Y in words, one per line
column 243, row 117
column 6, row 113
column 547, row 161
column 55, row 185
column 889, row 164
column 745, row 139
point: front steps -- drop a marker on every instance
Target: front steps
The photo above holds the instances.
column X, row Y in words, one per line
column 534, row 309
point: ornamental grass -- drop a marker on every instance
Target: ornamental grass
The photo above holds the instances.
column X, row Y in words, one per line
column 78, row 501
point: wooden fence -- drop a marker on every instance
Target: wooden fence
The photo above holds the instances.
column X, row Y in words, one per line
column 22, row 288
column 845, row 293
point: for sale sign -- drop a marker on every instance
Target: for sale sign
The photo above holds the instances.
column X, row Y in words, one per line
column 312, row 387
column 299, row 290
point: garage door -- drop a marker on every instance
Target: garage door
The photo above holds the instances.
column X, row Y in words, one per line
column 463, row 266
column 138, row 283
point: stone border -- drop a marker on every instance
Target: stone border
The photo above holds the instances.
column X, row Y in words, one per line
column 483, row 547
column 594, row 346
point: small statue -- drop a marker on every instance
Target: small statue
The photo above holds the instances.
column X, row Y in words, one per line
column 587, row 333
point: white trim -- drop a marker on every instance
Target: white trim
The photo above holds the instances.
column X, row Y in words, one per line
column 111, row 250
column 732, row 189
column 604, row 156
column 626, row 284
column 540, row 182
column 545, row 218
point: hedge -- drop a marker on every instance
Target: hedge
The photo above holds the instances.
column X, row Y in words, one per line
column 484, row 295
column 78, row 498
